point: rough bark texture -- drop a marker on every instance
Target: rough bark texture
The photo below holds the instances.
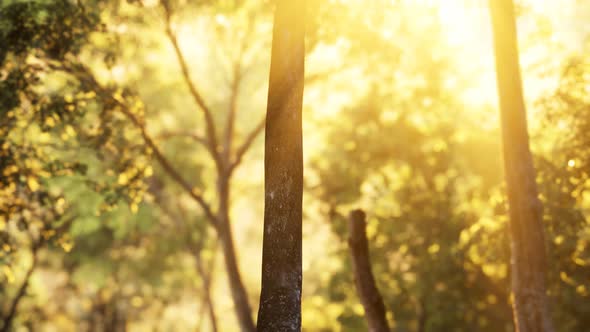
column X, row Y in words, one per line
column 531, row 312
column 371, row 299
column 280, row 298
column 239, row 294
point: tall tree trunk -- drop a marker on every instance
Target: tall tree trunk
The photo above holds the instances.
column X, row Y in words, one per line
column 280, row 298
column 531, row 312
column 239, row 294
column 371, row 299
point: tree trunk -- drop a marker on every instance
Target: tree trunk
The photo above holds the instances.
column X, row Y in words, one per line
column 207, row 298
column 239, row 294
column 530, row 307
column 20, row 294
column 280, row 298
column 371, row 299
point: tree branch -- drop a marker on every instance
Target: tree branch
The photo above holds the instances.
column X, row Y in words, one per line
column 246, row 145
column 231, row 115
column 209, row 123
column 167, row 166
column 195, row 250
column 85, row 76
column 235, row 89
column 195, row 137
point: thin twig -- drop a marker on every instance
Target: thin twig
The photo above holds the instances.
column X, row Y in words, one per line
column 195, row 137
column 241, row 151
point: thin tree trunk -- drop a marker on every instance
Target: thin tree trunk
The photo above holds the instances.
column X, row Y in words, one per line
column 12, row 309
column 206, row 289
column 239, row 294
column 530, row 307
column 280, row 298
column 196, row 250
column 371, row 299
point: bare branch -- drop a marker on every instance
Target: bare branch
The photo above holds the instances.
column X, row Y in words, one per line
column 235, row 89
column 167, row 166
column 246, row 145
column 231, row 114
column 209, row 123
column 195, row 137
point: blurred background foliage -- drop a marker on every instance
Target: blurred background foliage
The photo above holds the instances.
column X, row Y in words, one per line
column 400, row 119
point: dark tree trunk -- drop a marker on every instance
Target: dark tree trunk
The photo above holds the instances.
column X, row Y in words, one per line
column 531, row 313
column 239, row 294
column 280, row 298
column 371, row 299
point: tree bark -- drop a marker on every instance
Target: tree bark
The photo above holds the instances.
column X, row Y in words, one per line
column 280, row 298
column 239, row 294
column 371, row 299
column 530, row 307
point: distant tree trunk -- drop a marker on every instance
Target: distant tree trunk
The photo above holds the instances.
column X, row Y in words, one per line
column 371, row 299
column 8, row 318
column 280, row 298
column 530, row 308
column 239, row 294
column 207, row 299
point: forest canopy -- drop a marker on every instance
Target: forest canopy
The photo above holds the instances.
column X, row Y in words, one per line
column 138, row 181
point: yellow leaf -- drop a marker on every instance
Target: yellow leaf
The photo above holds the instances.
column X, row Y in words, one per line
column 50, row 122
column 67, row 244
column 44, row 137
column 118, row 96
column 48, row 233
column 33, row 183
column 149, row 171
column 558, row 239
column 8, row 273
column 70, row 131
column 123, row 179
column 433, row 249
column 10, row 170
column 134, row 207
column 136, row 301
column 580, row 261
